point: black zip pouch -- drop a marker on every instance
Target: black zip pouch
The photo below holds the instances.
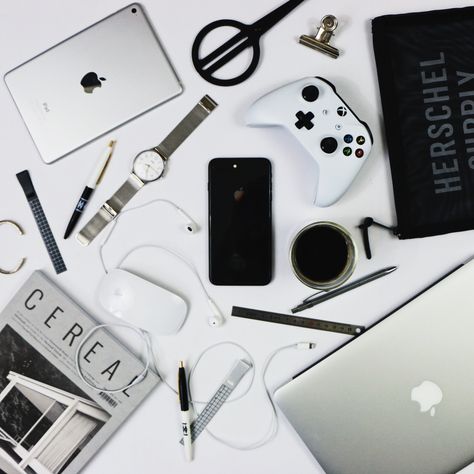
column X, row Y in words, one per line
column 425, row 67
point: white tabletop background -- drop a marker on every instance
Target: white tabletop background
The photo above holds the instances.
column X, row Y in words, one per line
column 147, row 442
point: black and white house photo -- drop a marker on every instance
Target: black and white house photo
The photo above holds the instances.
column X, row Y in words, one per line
column 45, row 419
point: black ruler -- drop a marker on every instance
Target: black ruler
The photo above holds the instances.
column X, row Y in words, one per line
column 46, row 234
column 299, row 321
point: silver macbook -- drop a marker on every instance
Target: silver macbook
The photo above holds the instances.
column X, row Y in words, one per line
column 400, row 397
column 93, row 82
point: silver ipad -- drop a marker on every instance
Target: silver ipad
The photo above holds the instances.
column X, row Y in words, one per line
column 92, row 82
column 398, row 399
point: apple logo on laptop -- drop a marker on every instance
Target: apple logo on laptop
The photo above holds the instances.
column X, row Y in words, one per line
column 91, row 81
column 428, row 395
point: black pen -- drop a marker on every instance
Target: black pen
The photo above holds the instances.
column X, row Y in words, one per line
column 94, row 181
column 185, row 413
column 322, row 296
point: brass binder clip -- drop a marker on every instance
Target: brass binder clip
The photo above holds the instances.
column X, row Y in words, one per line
column 320, row 42
column 23, row 260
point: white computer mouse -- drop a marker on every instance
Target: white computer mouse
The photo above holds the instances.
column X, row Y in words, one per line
column 141, row 303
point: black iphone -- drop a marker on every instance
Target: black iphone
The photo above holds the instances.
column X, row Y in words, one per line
column 240, row 221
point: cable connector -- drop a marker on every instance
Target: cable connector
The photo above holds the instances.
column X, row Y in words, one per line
column 305, row 345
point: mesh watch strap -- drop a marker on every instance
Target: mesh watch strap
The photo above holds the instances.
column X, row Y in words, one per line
column 182, row 131
column 110, row 209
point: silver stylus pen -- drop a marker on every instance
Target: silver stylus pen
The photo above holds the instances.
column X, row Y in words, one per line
column 313, row 300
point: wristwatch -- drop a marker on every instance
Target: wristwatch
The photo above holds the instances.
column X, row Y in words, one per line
column 148, row 166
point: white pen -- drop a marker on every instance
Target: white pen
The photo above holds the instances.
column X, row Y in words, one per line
column 185, row 412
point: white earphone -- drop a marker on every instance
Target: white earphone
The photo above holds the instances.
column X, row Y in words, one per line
column 216, row 319
column 189, row 225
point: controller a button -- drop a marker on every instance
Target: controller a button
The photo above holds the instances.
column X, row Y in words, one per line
column 360, row 140
column 347, row 151
column 359, row 153
column 310, row 93
column 348, row 138
column 329, row 145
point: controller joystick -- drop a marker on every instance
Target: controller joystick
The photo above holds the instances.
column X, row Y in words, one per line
column 310, row 93
column 312, row 111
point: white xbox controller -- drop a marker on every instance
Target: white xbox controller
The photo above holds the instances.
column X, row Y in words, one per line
column 325, row 125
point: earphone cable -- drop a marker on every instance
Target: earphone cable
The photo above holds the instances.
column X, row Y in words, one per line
column 116, row 220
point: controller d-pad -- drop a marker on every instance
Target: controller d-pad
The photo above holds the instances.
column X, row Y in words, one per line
column 304, row 120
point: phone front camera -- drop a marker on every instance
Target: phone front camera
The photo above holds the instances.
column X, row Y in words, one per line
column 134, row 10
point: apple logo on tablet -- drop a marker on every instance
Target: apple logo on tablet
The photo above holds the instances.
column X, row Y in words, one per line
column 427, row 395
column 91, row 81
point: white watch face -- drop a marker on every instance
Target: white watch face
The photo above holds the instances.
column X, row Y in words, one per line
column 148, row 165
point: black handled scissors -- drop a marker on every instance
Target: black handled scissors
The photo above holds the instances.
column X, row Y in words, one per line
column 247, row 37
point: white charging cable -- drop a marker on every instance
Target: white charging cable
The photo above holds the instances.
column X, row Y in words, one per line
column 272, row 429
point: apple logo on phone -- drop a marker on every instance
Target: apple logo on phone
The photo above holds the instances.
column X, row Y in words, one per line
column 91, row 81
column 428, row 395
column 239, row 194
